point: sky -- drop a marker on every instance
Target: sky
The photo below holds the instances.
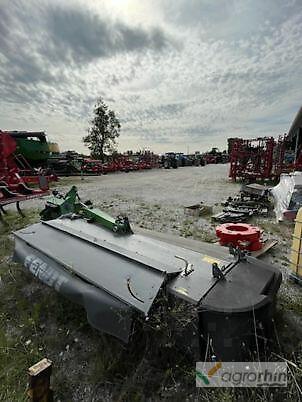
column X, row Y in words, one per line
column 181, row 75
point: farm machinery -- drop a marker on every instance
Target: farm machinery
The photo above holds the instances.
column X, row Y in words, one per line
column 14, row 179
column 124, row 276
column 259, row 158
column 14, row 167
column 61, row 205
column 19, row 192
column 33, row 146
column 215, row 156
column 72, row 164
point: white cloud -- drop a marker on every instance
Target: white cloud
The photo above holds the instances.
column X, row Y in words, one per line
column 220, row 69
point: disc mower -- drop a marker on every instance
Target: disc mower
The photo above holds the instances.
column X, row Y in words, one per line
column 121, row 275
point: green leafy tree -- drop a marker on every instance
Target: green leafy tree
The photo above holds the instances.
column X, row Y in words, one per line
column 104, row 130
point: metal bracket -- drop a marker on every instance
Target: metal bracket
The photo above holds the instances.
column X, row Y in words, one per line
column 217, row 272
column 237, row 252
column 122, row 225
column 188, row 268
column 19, row 209
column 295, row 278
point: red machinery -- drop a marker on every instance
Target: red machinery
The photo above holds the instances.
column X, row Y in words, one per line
column 242, row 235
column 15, row 169
column 109, row 167
column 124, row 163
column 215, row 156
column 92, row 167
column 13, row 188
column 209, row 158
column 260, row 158
column 15, row 193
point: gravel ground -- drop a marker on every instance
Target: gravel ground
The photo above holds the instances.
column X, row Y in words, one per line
column 155, row 199
column 182, row 186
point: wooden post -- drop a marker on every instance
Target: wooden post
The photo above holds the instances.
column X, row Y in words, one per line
column 296, row 250
column 39, row 381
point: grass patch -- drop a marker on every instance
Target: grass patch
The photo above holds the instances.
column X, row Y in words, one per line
column 281, row 229
column 15, row 357
column 189, row 229
column 289, row 303
column 17, row 350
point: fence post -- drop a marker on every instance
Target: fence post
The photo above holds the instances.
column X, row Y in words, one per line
column 296, row 250
column 39, row 381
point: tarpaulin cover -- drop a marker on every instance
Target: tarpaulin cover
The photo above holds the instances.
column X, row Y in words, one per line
column 288, row 194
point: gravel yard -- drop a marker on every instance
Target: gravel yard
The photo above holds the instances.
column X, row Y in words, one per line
column 165, row 186
column 36, row 322
column 155, row 199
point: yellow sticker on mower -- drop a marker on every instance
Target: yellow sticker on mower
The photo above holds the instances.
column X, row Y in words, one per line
column 211, row 260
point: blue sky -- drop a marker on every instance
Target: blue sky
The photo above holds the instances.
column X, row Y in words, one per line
column 179, row 73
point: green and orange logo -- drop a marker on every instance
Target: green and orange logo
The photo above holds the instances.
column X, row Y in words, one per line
column 206, row 377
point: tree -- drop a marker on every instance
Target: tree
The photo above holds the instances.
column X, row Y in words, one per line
column 104, row 130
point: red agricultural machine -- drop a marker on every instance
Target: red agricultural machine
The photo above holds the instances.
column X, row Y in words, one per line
column 129, row 163
column 260, row 158
column 15, row 174
column 215, row 156
column 13, row 165
column 69, row 164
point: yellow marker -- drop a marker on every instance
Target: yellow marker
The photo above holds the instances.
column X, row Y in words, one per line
column 296, row 250
column 213, row 370
column 211, row 260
